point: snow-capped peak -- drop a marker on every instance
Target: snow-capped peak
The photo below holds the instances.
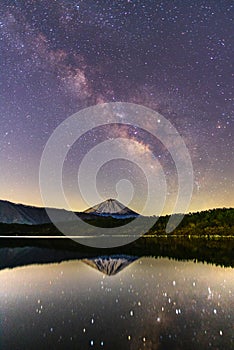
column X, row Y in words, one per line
column 111, row 207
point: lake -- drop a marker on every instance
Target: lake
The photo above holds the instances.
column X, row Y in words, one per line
column 117, row 302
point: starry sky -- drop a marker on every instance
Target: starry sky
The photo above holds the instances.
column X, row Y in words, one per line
column 175, row 57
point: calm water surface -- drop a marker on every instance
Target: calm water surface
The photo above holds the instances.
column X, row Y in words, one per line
column 118, row 302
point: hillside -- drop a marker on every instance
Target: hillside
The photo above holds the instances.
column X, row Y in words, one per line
column 206, row 223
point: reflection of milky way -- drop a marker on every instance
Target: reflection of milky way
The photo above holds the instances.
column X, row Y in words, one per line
column 59, row 57
column 149, row 304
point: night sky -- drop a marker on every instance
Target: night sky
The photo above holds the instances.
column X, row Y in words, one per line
column 175, row 57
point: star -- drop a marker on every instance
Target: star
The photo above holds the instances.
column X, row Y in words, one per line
column 61, row 57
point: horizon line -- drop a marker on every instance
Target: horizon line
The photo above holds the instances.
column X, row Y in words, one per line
column 83, row 211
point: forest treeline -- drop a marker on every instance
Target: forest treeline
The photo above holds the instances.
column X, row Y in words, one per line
column 205, row 223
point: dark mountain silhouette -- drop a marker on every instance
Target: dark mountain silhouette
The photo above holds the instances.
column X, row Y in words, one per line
column 22, row 214
column 12, row 213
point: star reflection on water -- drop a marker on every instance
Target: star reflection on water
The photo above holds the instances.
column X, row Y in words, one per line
column 117, row 302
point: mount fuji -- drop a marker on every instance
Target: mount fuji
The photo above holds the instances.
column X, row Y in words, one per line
column 12, row 213
column 112, row 207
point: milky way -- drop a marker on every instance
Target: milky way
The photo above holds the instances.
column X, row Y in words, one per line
column 58, row 57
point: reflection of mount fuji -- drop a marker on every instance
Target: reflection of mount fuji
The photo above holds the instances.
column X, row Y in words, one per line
column 112, row 207
column 21, row 256
column 110, row 265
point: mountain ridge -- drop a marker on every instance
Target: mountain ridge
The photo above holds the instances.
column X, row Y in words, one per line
column 15, row 213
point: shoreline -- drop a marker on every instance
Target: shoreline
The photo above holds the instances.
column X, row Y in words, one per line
column 214, row 250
